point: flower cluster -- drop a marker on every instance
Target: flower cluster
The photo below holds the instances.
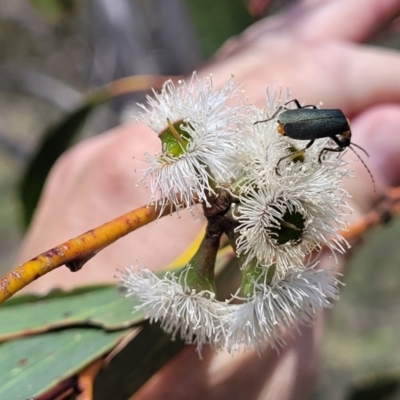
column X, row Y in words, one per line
column 196, row 128
column 284, row 205
column 260, row 320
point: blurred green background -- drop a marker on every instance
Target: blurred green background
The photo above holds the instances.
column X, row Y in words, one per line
column 53, row 52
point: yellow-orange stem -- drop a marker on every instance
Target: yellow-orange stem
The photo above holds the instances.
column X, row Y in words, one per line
column 81, row 248
column 385, row 210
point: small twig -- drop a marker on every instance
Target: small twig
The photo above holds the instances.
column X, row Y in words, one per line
column 75, row 252
column 384, row 211
column 86, row 379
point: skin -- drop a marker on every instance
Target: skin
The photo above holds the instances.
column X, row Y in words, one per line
column 314, row 49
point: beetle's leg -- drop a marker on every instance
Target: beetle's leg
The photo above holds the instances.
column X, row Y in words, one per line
column 339, row 149
column 325, row 149
column 293, row 155
column 338, row 142
column 309, row 144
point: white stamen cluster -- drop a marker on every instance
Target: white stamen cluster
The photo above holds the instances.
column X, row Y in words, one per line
column 195, row 317
column 284, row 209
column 211, row 125
column 262, row 319
column 265, row 317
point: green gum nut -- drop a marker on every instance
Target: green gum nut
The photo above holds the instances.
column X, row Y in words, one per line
column 193, row 280
column 175, row 139
column 254, row 274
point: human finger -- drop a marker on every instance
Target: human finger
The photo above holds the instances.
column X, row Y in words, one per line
column 317, row 21
column 340, row 74
column 376, row 130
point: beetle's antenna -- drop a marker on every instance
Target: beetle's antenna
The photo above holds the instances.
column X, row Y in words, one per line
column 363, row 163
column 353, row 144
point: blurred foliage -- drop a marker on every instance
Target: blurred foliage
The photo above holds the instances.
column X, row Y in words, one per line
column 54, row 10
column 217, row 21
column 384, row 387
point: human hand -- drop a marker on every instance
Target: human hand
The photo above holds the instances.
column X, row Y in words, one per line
column 316, row 56
column 314, row 49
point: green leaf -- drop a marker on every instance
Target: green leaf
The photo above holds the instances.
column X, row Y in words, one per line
column 54, row 294
column 33, row 365
column 103, row 307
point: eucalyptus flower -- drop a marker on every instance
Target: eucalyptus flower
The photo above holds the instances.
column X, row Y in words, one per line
column 284, row 214
column 196, row 317
column 272, row 310
column 197, row 124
